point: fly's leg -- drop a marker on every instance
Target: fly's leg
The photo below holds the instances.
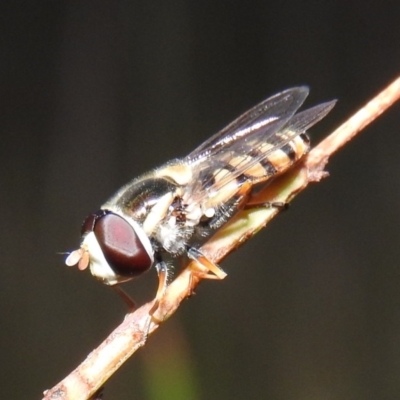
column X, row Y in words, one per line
column 203, row 266
column 280, row 205
column 162, row 271
column 248, row 204
column 126, row 298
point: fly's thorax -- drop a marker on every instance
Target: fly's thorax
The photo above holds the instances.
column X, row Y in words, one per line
column 157, row 213
column 163, row 184
column 175, row 171
column 174, row 236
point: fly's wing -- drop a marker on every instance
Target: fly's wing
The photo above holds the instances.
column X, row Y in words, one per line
column 261, row 131
column 259, row 123
column 262, row 120
column 304, row 120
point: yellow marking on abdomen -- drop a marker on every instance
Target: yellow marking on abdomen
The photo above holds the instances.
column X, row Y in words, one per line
column 256, row 170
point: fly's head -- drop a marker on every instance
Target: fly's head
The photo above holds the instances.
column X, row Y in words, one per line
column 115, row 248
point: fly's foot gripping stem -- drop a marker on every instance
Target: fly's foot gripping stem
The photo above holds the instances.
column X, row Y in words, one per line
column 203, row 267
column 280, row 205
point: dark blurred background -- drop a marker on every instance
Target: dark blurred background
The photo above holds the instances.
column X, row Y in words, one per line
column 93, row 93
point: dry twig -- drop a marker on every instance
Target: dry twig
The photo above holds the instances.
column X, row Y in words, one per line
column 87, row 378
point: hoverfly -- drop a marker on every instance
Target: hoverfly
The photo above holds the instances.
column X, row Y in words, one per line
column 158, row 215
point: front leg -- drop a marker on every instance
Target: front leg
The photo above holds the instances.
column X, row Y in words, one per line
column 203, row 268
column 163, row 276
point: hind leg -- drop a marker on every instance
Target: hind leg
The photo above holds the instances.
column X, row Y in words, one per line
column 203, row 267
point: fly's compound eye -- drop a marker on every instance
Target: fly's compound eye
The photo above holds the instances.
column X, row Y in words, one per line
column 120, row 244
column 90, row 221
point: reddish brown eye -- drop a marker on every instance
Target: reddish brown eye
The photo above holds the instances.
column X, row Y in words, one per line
column 90, row 221
column 121, row 246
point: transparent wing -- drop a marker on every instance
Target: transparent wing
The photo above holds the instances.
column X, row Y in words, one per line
column 263, row 120
column 262, row 130
column 304, row 120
